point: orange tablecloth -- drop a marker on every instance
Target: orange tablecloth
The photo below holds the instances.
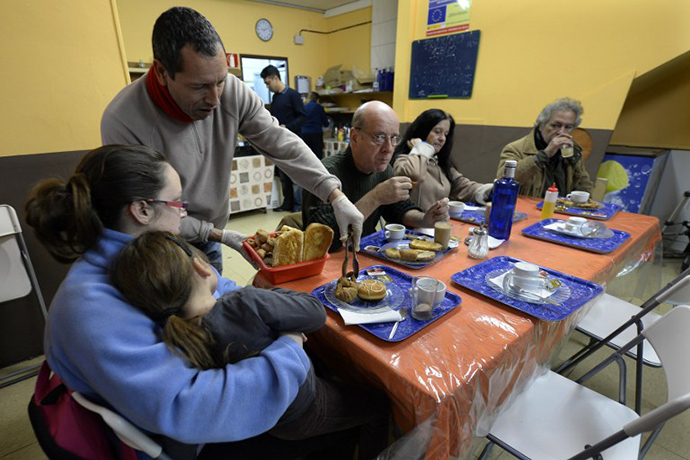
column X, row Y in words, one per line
column 457, row 372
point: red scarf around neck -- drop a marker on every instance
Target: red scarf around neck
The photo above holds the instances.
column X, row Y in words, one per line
column 162, row 98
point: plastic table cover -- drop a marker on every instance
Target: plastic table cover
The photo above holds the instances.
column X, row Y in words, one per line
column 448, row 382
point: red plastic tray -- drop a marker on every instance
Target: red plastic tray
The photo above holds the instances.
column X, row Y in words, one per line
column 277, row 275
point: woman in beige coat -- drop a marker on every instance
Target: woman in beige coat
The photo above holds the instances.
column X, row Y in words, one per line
column 423, row 155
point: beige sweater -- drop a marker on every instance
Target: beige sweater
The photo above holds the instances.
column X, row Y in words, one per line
column 202, row 151
column 432, row 182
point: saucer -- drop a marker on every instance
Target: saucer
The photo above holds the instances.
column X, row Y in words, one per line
column 540, row 295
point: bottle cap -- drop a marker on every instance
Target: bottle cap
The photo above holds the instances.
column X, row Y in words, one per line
column 553, row 188
column 511, row 164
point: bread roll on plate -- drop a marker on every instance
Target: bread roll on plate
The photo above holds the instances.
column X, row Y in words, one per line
column 371, row 290
column 426, row 245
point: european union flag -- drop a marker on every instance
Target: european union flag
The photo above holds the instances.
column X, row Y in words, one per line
column 437, row 15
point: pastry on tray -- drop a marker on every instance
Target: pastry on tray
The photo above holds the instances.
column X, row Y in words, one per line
column 410, row 255
column 426, row 245
column 317, row 240
column 346, row 288
column 371, row 290
column 591, row 204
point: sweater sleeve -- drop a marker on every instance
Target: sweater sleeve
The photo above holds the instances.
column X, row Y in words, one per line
column 411, row 165
column 395, row 212
column 322, row 115
column 461, row 188
column 285, row 310
column 281, row 146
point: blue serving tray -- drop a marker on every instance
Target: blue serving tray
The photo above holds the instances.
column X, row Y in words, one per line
column 608, row 211
column 378, row 239
column 598, row 245
column 410, row 325
column 477, row 217
column 581, row 291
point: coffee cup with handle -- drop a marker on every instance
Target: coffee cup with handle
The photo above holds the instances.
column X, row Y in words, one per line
column 525, row 276
column 578, row 197
column 394, row 232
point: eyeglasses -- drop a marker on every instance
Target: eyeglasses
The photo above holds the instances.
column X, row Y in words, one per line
column 380, row 138
column 181, row 205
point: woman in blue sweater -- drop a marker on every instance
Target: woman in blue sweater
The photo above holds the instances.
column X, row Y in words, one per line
column 110, row 351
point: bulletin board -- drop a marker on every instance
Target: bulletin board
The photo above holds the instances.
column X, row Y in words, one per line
column 444, row 67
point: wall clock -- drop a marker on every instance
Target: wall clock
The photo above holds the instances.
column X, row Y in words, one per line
column 264, row 29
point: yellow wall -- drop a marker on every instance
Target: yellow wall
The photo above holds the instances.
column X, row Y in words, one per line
column 534, row 51
column 235, row 19
column 61, row 65
column 657, row 111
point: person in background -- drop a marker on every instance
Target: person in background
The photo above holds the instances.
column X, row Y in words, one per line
column 190, row 108
column 367, row 176
column 312, row 131
column 108, row 350
column 210, row 333
column 539, row 155
column 287, row 107
column 424, row 155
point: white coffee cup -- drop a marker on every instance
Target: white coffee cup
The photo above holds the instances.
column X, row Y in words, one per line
column 574, row 224
column 456, row 207
column 578, row 197
column 524, row 275
column 427, row 293
column 394, row 232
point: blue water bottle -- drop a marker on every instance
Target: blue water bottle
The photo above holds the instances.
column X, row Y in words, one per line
column 505, row 195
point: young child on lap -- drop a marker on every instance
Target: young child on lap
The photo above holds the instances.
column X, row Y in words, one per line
column 172, row 283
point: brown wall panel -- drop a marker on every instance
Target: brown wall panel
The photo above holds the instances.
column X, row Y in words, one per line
column 21, row 324
column 476, row 148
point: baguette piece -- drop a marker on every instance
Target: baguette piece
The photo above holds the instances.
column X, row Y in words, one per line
column 317, row 240
column 288, row 248
column 425, row 245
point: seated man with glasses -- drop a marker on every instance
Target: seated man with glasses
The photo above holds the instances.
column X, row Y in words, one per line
column 548, row 154
column 366, row 174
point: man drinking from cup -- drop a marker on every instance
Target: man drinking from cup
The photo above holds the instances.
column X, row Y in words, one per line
column 548, row 154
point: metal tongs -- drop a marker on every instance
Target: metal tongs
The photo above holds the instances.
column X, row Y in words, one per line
column 350, row 242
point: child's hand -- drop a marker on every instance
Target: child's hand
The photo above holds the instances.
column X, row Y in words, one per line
column 298, row 337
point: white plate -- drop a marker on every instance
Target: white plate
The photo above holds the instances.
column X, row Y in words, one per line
column 394, row 297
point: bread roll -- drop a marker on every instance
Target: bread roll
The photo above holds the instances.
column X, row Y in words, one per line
column 416, row 255
column 288, row 248
column 393, row 253
column 425, row 245
column 317, row 241
column 371, row 290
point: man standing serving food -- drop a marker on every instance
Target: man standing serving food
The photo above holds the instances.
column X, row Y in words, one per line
column 191, row 109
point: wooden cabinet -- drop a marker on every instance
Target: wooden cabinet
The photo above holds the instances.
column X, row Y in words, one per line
column 137, row 69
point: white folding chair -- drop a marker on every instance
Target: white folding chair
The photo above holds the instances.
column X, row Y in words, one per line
column 614, row 322
column 17, row 277
column 128, row 433
column 558, row 418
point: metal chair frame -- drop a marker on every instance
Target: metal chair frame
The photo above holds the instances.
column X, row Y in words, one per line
column 14, row 230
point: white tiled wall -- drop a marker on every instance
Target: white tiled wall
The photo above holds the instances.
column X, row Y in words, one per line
column 384, row 17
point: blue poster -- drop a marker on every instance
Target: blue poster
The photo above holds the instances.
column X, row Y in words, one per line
column 627, row 179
